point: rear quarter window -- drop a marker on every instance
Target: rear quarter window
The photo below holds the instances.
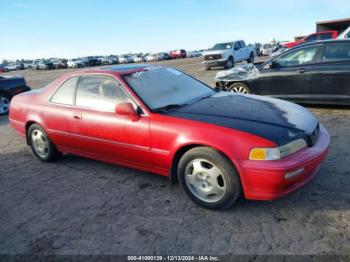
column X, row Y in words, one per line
column 336, row 52
column 65, row 93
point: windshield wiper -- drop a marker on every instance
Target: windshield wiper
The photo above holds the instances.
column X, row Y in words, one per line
column 167, row 107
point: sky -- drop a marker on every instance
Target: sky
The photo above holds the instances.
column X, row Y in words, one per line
column 73, row 28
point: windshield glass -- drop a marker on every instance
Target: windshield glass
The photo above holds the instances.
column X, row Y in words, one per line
column 222, row 46
column 161, row 87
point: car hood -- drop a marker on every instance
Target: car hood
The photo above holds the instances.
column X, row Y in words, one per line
column 276, row 120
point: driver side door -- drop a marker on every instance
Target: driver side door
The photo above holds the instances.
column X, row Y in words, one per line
column 99, row 132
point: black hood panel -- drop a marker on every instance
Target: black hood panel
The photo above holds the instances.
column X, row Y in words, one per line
column 273, row 119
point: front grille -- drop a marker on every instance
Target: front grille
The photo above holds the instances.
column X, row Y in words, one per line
column 312, row 138
column 212, row 57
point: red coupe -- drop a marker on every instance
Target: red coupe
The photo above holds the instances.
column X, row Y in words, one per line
column 217, row 145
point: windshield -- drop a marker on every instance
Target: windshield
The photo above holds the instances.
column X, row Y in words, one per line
column 161, row 87
column 222, row 46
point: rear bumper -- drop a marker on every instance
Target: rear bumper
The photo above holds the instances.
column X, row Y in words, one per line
column 265, row 180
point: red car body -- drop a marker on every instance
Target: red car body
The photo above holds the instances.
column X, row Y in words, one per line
column 324, row 35
column 2, row 70
column 154, row 142
column 176, row 54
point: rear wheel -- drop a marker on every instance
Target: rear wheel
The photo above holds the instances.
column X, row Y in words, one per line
column 4, row 104
column 41, row 145
column 208, row 178
column 251, row 58
column 240, row 88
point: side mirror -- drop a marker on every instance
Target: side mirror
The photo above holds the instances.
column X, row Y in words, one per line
column 236, row 48
column 127, row 109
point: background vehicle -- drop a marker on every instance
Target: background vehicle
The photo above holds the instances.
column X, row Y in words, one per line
column 345, row 34
column 176, row 54
column 324, row 35
column 59, row 64
column 226, row 54
column 2, row 69
column 123, row 60
column 9, row 87
column 151, row 58
column 139, row 126
column 90, row 61
column 136, row 59
column 317, row 72
column 42, row 65
column 75, row 63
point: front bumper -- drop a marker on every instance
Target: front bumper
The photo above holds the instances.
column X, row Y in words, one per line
column 265, row 180
column 220, row 62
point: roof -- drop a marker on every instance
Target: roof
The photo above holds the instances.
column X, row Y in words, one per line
column 121, row 68
column 322, row 41
column 334, row 21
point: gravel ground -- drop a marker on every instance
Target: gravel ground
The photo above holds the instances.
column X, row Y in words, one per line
column 81, row 206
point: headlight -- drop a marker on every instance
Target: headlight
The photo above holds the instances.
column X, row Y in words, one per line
column 277, row 152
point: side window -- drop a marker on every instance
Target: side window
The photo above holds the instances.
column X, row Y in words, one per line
column 325, row 36
column 311, row 38
column 336, row 52
column 65, row 93
column 100, row 93
column 242, row 44
column 236, row 46
column 298, row 57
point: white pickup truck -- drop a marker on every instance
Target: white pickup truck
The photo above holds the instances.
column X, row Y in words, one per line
column 226, row 54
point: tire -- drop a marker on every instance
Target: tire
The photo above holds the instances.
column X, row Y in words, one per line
column 41, row 145
column 215, row 184
column 229, row 63
column 240, row 88
column 4, row 103
column 251, row 58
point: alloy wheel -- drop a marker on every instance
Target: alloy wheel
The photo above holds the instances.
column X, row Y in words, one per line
column 40, row 143
column 205, row 180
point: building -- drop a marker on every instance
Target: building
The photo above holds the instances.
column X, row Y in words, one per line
column 340, row 25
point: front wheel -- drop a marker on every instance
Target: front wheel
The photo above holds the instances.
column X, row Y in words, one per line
column 41, row 145
column 240, row 88
column 4, row 104
column 229, row 63
column 209, row 178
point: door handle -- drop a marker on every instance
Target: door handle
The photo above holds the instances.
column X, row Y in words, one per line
column 77, row 116
column 302, row 70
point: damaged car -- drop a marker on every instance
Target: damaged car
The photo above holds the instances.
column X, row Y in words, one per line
column 217, row 145
column 317, row 72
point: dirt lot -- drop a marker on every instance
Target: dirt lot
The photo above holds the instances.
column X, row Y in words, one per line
column 81, row 206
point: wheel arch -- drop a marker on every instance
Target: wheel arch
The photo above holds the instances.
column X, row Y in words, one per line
column 185, row 148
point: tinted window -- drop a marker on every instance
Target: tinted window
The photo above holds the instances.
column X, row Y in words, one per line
column 99, row 92
column 298, row 57
column 236, row 45
column 336, row 52
column 65, row 93
column 242, row 44
column 325, row 36
column 311, row 38
column 160, row 87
